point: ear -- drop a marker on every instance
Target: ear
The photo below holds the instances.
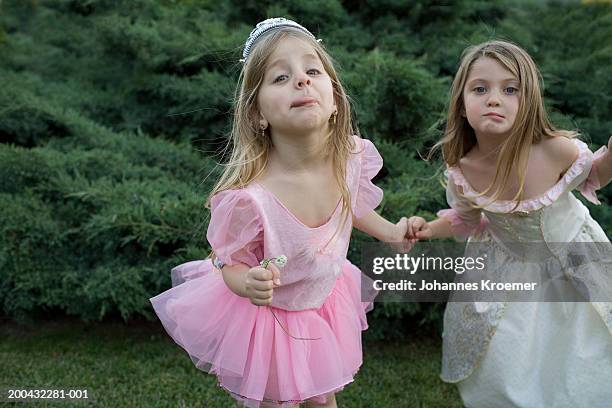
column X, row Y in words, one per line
column 263, row 124
column 334, row 114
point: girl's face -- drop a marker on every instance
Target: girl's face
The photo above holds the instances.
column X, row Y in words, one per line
column 491, row 98
column 296, row 94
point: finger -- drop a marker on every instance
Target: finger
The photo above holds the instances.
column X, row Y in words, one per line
column 410, row 244
column 263, row 294
column 402, row 226
column 419, row 223
column 406, row 245
column 262, row 285
column 275, row 273
column 261, row 302
column 410, row 229
column 262, row 274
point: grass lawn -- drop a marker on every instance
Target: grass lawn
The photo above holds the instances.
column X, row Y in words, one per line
column 140, row 366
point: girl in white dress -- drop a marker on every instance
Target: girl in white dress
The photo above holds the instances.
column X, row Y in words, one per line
column 510, row 179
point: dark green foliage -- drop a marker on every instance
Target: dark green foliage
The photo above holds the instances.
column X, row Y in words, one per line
column 92, row 224
column 112, row 114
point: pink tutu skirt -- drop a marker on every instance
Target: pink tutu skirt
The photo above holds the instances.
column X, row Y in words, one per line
column 253, row 357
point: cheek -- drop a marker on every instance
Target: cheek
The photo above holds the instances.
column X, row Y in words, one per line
column 328, row 93
column 515, row 106
column 266, row 102
column 470, row 106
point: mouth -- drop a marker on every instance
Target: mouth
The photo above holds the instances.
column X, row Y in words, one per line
column 494, row 115
column 303, row 101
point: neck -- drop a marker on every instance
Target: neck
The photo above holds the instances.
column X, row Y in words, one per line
column 297, row 152
column 488, row 146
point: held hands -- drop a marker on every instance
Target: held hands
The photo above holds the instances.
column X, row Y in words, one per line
column 419, row 229
column 399, row 240
column 408, row 231
column 260, row 283
column 416, row 228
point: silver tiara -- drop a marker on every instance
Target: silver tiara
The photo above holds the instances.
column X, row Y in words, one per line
column 265, row 26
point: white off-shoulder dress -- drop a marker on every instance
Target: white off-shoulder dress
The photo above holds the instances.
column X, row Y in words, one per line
column 533, row 354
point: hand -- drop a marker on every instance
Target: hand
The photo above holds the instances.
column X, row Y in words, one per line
column 260, row 283
column 420, row 229
column 399, row 240
column 415, row 224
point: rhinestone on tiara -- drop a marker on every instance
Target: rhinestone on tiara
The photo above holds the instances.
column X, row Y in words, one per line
column 265, row 26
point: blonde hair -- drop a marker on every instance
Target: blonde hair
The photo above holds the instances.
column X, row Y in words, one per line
column 531, row 124
column 251, row 148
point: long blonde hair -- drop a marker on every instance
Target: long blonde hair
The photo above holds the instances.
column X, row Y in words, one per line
column 251, row 149
column 530, row 126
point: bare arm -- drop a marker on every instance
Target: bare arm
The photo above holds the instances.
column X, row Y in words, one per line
column 235, row 278
column 603, row 164
column 381, row 229
column 438, row 228
column 255, row 283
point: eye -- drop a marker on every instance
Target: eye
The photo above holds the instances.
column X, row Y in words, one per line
column 480, row 89
column 313, row 71
column 511, row 90
column 279, row 78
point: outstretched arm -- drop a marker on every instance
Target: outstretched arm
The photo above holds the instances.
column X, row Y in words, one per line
column 439, row 228
column 381, row 229
column 603, row 165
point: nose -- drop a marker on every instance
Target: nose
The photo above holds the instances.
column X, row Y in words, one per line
column 494, row 99
column 302, row 80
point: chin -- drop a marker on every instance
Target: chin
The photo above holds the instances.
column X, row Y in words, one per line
column 495, row 130
column 310, row 123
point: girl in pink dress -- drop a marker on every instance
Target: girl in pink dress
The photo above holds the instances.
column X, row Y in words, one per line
column 277, row 313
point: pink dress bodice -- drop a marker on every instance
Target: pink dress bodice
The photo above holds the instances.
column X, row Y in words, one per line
column 251, row 223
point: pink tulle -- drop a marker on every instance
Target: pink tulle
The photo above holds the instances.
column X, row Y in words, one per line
column 588, row 188
column 460, row 227
column 252, row 356
column 369, row 195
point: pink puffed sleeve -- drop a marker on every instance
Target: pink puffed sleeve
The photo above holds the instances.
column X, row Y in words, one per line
column 368, row 195
column 591, row 184
column 235, row 230
column 465, row 219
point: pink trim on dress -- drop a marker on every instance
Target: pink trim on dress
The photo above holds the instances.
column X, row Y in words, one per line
column 459, row 226
column 587, row 189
